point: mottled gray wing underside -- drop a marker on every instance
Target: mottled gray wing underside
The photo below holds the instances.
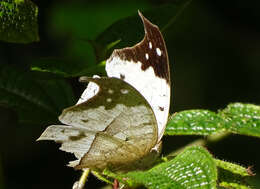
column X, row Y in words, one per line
column 114, row 128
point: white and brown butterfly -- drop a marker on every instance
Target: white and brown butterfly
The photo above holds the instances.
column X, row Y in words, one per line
column 119, row 120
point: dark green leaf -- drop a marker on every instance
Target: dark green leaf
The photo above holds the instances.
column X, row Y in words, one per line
column 18, row 21
column 33, row 100
column 66, row 67
column 128, row 32
column 58, row 91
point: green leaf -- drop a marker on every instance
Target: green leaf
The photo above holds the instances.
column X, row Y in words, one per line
column 236, row 118
column 58, row 91
column 34, row 101
column 233, row 168
column 193, row 168
column 18, row 21
column 66, row 67
column 163, row 16
column 242, row 118
column 194, row 122
column 228, row 179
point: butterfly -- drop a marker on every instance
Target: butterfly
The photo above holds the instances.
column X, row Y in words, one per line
column 119, row 120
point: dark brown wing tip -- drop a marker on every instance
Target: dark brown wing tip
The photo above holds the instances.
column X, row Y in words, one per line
column 146, row 22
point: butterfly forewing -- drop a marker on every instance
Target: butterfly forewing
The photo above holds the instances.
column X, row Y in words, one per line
column 74, row 140
column 145, row 66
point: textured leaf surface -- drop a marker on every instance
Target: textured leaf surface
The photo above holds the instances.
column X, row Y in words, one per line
column 194, row 122
column 237, row 118
column 243, row 118
column 234, row 168
column 32, row 99
column 232, row 175
column 193, row 168
column 18, row 21
column 228, row 179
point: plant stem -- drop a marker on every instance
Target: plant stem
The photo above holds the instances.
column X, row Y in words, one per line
column 83, row 179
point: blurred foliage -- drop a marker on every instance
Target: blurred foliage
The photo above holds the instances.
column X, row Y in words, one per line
column 214, row 55
column 18, row 21
column 1, row 174
column 34, row 100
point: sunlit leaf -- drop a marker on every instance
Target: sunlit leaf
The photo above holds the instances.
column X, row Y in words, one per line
column 228, row 179
column 234, row 168
column 194, row 122
column 193, row 168
column 237, row 118
column 242, row 118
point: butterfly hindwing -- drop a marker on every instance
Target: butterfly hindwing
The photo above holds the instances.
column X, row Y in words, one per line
column 117, row 121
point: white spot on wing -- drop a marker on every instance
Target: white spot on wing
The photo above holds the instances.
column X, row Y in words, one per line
column 146, row 56
column 110, row 91
column 158, row 51
column 150, row 45
column 124, row 91
column 109, row 100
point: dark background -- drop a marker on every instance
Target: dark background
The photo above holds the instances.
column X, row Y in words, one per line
column 214, row 52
